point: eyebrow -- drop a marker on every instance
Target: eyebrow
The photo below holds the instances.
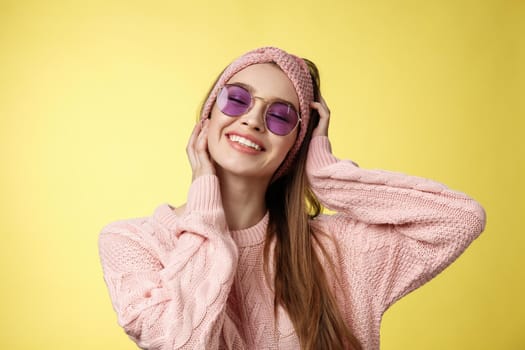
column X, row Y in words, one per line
column 252, row 90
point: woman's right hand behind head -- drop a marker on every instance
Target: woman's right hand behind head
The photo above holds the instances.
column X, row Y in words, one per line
column 197, row 151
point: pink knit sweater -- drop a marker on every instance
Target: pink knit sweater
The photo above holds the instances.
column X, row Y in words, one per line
column 188, row 282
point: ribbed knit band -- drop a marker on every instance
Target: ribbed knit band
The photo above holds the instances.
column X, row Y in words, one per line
column 295, row 69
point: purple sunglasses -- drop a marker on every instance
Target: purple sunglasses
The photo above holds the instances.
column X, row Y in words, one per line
column 280, row 117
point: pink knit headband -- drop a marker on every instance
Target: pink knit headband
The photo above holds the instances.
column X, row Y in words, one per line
column 298, row 73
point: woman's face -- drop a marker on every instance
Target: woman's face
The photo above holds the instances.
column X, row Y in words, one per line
column 228, row 136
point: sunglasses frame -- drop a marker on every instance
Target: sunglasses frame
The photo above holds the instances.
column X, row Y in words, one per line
column 267, row 102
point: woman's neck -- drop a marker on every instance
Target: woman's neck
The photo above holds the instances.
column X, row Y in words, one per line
column 243, row 199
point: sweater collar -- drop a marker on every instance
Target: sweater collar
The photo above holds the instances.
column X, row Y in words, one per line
column 252, row 235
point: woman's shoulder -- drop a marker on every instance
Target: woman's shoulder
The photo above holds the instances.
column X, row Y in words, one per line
column 127, row 226
column 346, row 231
column 157, row 228
column 333, row 229
column 335, row 225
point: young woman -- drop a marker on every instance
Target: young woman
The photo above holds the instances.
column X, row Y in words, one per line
column 249, row 262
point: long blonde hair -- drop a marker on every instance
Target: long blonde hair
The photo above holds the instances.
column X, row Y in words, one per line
column 300, row 280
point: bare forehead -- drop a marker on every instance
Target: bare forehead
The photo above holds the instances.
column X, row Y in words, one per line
column 268, row 81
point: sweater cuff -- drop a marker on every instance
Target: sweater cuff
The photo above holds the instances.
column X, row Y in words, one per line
column 204, row 195
column 320, row 153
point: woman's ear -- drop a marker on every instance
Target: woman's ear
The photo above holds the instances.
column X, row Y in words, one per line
column 314, row 116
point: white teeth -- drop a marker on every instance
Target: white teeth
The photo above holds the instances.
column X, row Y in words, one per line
column 245, row 142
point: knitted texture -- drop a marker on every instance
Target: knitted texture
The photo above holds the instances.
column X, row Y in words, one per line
column 295, row 69
column 187, row 282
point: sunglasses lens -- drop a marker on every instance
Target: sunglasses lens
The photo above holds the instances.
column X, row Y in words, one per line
column 281, row 118
column 234, row 100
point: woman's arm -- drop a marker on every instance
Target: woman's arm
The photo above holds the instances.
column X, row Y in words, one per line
column 404, row 229
column 169, row 277
column 396, row 231
column 384, row 197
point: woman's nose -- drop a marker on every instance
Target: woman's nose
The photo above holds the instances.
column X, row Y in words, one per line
column 254, row 118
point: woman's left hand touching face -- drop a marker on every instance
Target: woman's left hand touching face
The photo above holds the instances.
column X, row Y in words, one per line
column 324, row 117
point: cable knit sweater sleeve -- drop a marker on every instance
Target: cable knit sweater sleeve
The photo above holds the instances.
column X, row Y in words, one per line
column 169, row 277
column 397, row 231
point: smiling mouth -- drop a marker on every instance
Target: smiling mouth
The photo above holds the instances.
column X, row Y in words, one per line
column 245, row 142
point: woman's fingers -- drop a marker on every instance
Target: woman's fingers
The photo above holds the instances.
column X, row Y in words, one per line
column 190, row 147
column 197, row 150
column 324, row 117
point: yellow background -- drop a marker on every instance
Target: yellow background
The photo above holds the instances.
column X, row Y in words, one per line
column 98, row 98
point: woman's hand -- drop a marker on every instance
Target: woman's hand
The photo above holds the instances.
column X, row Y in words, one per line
column 197, row 151
column 324, row 117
